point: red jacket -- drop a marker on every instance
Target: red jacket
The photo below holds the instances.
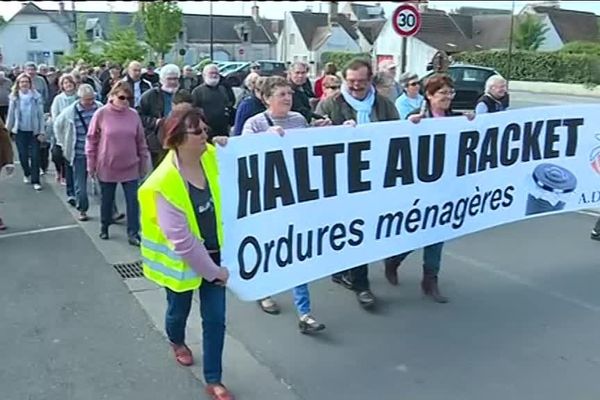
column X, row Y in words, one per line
column 319, row 87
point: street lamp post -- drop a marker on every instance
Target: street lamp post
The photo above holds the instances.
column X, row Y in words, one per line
column 210, row 20
column 510, row 41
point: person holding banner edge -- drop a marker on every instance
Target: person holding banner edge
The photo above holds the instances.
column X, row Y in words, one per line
column 357, row 103
column 439, row 92
column 278, row 95
column 180, row 205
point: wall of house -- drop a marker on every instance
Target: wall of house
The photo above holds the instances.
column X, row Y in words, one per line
column 552, row 41
column 223, row 52
column 389, row 45
column 363, row 43
column 296, row 51
column 17, row 48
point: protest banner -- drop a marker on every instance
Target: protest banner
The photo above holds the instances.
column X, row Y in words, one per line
column 321, row 200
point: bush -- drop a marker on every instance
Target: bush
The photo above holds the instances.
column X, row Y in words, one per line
column 592, row 48
column 341, row 58
column 539, row 66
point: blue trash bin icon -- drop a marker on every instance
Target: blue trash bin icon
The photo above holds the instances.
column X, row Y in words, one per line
column 552, row 187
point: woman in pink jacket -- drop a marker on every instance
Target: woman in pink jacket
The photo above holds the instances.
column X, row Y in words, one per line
column 116, row 152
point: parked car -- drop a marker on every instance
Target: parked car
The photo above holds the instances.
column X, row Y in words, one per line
column 236, row 76
column 469, row 84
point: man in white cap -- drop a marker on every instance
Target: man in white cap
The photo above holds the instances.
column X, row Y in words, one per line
column 387, row 71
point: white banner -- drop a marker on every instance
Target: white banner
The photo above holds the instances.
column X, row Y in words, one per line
column 321, row 200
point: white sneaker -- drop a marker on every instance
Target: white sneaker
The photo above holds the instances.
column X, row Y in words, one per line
column 37, row 186
column 26, row 180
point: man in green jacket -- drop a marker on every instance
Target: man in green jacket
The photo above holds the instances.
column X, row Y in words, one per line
column 357, row 103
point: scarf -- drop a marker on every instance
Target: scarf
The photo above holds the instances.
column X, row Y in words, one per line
column 363, row 107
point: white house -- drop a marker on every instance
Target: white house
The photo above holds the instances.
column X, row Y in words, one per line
column 438, row 32
column 307, row 35
column 564, row 25
column 368, row 20
column 33, row 35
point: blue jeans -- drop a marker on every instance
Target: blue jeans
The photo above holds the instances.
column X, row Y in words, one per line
column 107, row 205
column 69, row 178
column 28, row 148
column 302, row 299
column 212, row 310
column 79, row 178
column 432, row 258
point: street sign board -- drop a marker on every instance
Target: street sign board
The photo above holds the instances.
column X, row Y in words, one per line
column 406, row 20
column 241, row 51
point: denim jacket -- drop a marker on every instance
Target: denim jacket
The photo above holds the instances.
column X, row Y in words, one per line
column 37, row 114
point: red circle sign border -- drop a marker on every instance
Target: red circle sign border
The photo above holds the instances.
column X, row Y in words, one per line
column 397, row 11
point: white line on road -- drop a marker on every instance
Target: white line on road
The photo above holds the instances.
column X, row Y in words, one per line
column 44, row 230
column 522, row 281
column 592, row 213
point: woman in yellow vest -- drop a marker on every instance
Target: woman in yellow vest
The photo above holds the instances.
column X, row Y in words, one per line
column 180, row 207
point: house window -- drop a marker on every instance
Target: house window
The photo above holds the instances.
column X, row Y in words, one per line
column 292, row 39
column 97, row 33
column 245, row 36
column 33, row 33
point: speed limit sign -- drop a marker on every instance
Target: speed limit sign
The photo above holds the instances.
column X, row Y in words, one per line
column 406, row 20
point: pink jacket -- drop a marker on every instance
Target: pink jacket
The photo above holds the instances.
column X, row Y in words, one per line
column 116, row 147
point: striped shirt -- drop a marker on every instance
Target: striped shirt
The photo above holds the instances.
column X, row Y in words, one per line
column 80, row 129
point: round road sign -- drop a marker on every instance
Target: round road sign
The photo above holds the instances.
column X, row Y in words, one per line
column 241, row 51
column 406, row 20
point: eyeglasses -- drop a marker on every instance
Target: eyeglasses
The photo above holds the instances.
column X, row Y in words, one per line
column 414, row 83
column 196, row 131
column 123, row 98
column 332, row 87
column 450, row 93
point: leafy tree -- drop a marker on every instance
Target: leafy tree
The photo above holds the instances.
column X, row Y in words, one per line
column 82, row 51
column 162, row 21
column 123, row 45
column 530, row 33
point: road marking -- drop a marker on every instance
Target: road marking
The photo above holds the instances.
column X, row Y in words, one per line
column 592, row 213
column 33, row 232
column 522, row 281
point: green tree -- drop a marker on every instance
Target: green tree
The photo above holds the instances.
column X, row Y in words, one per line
column 82, row 51
column 581, row 47
column 123, row 45
column 162, row 21
column 529, row 34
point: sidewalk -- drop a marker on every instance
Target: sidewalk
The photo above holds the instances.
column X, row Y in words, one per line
column 69, row 328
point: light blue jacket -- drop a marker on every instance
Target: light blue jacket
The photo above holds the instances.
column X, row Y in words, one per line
column 37, row 114
column 64, row 130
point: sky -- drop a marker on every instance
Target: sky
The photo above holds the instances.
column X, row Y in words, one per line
column 276, row 10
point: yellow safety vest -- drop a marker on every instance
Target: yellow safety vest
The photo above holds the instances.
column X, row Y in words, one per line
column 161, row 264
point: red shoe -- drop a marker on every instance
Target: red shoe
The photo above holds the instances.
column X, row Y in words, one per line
column 218, row 391
column 2, row 226
column 183, row 354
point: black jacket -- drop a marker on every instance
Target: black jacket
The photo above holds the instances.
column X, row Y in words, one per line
column 151, row 109
column 154, row 79
column 217, row 107
column 493, row 104
column 301, row 103
column 144, row 86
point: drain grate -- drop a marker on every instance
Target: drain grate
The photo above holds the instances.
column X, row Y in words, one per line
column 129, row 270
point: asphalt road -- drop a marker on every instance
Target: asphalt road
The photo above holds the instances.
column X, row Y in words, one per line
column 522, row 322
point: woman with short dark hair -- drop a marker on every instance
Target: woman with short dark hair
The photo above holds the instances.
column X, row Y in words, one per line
column 439, row 92
column 182, row 236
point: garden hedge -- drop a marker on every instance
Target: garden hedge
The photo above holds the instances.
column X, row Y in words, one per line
column 539, row 66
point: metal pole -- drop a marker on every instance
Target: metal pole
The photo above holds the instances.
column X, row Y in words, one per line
column 211, row 31
column 510, row 41
column 404, row 40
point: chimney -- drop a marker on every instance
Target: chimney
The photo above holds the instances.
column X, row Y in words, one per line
column 61, row 7
column 254, row 11
column 333, row 13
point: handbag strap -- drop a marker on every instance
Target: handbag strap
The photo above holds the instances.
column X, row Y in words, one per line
column 81, row 118
column 269, row 120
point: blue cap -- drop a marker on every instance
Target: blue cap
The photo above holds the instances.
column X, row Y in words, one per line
column 554, row 178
